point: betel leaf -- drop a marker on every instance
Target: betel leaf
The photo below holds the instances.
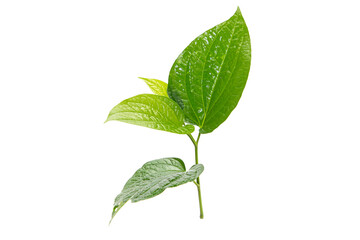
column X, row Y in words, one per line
column 157, row 86
column 153, row 178
column 209, row 76
column 152, row 111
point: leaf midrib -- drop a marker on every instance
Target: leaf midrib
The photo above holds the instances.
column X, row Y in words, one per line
column 202, row 79
column 217, row 76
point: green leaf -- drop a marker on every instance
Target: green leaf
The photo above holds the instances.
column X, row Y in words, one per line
column 209, row 76
column 157, row 86
column 152, row 111
column 153, row 178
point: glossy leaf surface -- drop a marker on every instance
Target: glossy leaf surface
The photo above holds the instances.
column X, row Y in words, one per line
column 158, row 87
column 153, row 178
column 152, row 111
column 209, row 76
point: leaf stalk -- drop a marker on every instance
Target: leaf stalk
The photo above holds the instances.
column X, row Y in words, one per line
column 197, row 182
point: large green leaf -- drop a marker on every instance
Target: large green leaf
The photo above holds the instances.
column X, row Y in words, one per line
column 157, row 86
column 209, row 76
column 152, row 111
column 153, row 178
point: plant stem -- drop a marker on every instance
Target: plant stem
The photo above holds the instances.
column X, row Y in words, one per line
column 197, row 183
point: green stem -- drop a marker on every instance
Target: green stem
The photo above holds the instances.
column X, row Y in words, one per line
column 197, row 183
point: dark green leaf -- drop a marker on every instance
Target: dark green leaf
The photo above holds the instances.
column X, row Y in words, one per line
column 209, row 76
column 157, row 86
column 152, row 111
column 153, row 178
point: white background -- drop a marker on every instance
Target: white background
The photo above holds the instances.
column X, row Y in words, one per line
column 285, row 165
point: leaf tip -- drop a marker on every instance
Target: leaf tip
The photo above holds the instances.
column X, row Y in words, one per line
column 107, row 119
column 115, row 211
column 238, row 12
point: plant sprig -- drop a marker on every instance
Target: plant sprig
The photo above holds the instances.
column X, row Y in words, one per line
column 206, row 82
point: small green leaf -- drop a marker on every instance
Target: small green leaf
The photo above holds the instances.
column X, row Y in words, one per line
column 152, row 111
column 209, row 76
column 158, row 87
column 153, row 178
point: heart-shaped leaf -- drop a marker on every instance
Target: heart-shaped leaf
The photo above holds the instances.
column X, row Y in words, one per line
column 209, row 76
column 157, row 86
column 153, row 178
column 152, row 111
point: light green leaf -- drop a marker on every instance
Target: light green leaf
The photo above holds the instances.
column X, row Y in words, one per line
column 209, row 76
column 153, row 178
column 157, row 86
column 152, row 111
